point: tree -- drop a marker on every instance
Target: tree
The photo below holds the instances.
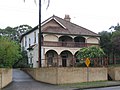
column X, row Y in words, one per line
column 115, row 40
column 110, row 42
column 23, row 62
column 90, row 52
column 8, row 31
column 9, row 52
column 95, row 54
column 16, row 32
column 116, row 28
column 21, row 29
column 105, row 42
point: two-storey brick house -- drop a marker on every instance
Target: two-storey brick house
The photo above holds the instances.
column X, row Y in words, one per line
column 61, row 40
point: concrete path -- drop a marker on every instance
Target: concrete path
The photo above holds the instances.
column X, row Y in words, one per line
column 22, row 81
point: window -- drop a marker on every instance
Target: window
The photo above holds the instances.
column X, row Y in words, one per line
column 50, row 57
column 25, row 41
column 22, row 43
column 31, row 57
column 34, row 37
column 29, row 41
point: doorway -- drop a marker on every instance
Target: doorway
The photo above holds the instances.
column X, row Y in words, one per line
column 64, row 61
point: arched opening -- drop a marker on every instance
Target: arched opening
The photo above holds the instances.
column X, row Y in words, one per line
column 75, row 56
column 79, row 41
column 67, row 58
column 92, row 40
column 79, row 62
column 65, row 40
column 51, row 58
column 54, row 38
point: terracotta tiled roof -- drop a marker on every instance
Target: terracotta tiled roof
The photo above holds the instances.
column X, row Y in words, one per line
column 71, row 28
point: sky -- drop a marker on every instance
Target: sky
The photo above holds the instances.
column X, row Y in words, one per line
column 95, row 15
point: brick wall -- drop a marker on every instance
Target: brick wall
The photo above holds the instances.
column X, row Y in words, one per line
column 68, row 74
column 5, row 76
column 114, row 73
column 76, row 75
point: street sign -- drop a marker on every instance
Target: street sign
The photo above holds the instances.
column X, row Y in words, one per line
column 87, row 62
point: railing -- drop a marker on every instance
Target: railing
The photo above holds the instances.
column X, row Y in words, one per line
column 66, row 44
column 74, row 62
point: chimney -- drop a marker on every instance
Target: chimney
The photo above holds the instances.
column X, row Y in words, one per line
column 67, row 18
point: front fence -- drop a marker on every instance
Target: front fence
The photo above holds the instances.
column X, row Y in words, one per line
column 73, row 62
column 65, row 75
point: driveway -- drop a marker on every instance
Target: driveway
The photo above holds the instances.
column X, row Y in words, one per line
column 22, row 81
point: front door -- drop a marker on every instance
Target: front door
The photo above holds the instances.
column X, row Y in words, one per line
column 64, row 61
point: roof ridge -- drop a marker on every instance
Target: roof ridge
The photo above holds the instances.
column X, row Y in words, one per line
column 46, row 20
column 49, row 18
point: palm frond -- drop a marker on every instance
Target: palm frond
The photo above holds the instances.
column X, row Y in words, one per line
column 35, row 2
column 44, row 1
column 48, row 4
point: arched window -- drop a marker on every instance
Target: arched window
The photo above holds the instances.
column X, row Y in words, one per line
column 51, row 58
column 79, row 39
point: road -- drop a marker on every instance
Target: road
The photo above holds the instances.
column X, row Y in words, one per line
column 22, row 81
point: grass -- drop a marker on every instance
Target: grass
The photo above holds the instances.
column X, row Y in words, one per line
column 91, row 84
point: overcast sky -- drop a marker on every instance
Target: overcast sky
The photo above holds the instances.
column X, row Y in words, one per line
column 96, row 15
